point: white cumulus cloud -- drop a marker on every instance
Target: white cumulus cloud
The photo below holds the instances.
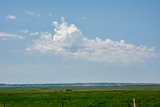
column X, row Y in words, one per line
column 6, row 36
column 10, row 17
column 69, row 41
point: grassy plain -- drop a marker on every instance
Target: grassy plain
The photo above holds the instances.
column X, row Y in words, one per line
column 91, row 96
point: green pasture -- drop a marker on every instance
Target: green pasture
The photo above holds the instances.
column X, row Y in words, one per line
column 79, row 97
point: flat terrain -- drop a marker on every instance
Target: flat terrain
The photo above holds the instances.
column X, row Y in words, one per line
column 72, row 96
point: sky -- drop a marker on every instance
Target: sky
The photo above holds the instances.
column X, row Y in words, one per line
column 69, row 41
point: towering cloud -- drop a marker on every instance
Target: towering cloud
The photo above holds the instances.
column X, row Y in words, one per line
column 69, row 41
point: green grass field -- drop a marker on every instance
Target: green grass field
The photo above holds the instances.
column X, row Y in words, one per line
column 145, row 96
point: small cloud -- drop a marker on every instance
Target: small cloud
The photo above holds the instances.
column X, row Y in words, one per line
column 10, row 17
column 24, row 31
column 84, row 18
column 32, row 14
column 6, row 36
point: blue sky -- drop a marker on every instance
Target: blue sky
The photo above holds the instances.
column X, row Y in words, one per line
column 61, row 41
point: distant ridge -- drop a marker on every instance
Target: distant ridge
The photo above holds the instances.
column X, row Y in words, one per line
column 2, row 85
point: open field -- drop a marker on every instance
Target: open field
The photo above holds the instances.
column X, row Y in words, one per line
column 91, row 96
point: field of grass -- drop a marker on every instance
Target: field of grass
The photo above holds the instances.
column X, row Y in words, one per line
column 145, row 96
